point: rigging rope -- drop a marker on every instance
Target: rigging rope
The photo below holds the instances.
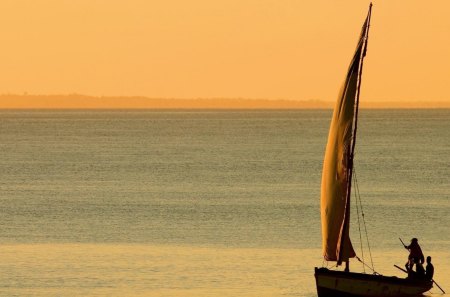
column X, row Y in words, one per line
column 359, row 228
column 364, row 264
column 358, row 196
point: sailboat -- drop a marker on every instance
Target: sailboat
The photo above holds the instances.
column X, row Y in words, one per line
column 335, row 199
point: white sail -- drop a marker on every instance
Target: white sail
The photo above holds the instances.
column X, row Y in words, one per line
column 338, row 162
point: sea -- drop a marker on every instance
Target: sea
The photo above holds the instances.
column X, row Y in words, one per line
column 194, row 203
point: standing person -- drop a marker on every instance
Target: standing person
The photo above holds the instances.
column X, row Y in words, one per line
column 429, row 269
column 414, row 252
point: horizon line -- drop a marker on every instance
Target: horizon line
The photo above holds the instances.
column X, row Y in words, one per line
column 80, row 101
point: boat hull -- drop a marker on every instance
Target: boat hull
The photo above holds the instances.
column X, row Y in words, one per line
column 339, row 284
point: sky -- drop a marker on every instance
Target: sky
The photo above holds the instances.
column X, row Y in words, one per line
column 273, row 49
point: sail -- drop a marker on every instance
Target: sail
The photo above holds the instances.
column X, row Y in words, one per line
column 338, row 162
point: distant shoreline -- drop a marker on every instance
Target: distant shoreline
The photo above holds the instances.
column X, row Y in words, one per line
column 76, row 101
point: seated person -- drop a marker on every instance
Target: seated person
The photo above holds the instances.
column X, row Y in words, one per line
column 420, row 271
column 430, row 269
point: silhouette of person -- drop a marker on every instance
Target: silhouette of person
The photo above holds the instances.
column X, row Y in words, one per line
column 430, row 269
column 420, row 271
column 414, row 252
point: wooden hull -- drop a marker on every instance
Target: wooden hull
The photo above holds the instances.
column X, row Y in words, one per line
column 339, row 284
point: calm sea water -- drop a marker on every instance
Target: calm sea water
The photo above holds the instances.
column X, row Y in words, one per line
column 207, row 203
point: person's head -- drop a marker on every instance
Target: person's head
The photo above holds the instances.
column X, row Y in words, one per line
column 414, row 240
column 428, row 259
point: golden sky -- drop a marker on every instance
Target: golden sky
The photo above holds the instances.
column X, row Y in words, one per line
column 289, row 49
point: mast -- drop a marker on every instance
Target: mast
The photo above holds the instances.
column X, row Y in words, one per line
column 351, row 152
